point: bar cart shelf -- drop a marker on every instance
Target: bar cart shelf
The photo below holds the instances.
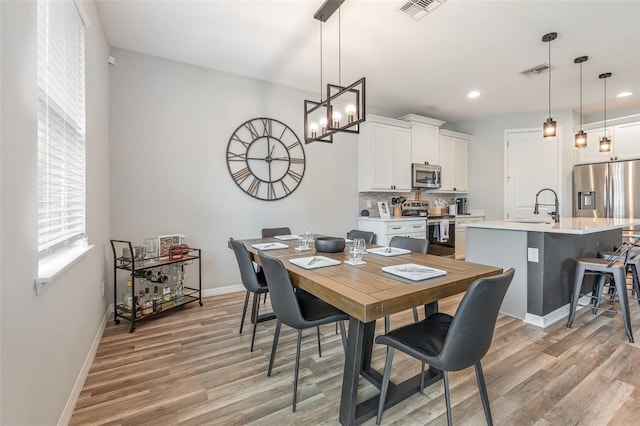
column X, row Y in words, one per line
column 141, row 272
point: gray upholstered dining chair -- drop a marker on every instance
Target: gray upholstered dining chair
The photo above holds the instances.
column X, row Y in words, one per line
column 272, row 232
column 368, row 237
column 451, row 343
column 416, row 245
column 254, row 282
column 297, row 309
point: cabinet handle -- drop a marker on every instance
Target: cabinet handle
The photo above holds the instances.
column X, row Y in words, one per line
column 396, row 227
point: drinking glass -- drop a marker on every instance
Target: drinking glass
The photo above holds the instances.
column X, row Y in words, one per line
column 357, row 250
column 303, row 242
column 308, row 235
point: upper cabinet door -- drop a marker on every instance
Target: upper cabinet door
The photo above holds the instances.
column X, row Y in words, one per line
column 425, row 144
column 454, row 161
column 401, row 159
column 381, row 155
column 625, row 144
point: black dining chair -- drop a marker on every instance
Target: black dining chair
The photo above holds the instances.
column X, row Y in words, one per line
column 297, row 309
column 451, row 343
column 272, row 232
column 368, row 237
column 254, row 282
column 416, row 245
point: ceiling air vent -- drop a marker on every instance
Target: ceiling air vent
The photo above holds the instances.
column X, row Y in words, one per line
column 538, row 69
column 418, row 9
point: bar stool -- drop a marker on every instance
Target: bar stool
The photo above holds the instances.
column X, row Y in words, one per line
column 602, row 267
column 632, row 264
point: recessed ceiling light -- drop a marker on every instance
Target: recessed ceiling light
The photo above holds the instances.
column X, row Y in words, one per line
column 473, row 94
column 624, row 94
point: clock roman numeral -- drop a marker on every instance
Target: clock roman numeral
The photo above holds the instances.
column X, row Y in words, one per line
column 254, row 188
column 295, row 176
column 236, row 138
column 232, row 156
column 293, row 145
column 285, row 187
column 252, row 129
column 296, row 160
column 241, row 175
column 266, row 125
column 271, row 191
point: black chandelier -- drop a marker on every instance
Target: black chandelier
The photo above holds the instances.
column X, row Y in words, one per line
column 343, row 108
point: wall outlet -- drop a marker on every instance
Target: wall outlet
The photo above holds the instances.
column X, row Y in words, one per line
column 368, row 204
column 532, row 254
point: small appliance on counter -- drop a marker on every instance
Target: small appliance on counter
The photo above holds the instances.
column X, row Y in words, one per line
column 462, row 206
column 415, row 208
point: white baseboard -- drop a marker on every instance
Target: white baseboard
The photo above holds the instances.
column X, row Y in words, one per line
column 555, row 316
column 222, row 290
column 65, row 417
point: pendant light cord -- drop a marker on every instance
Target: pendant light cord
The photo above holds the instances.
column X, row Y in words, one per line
column 320, row 61
column 339, row 47
column 580, row 96
column 605, row 107
column 549, row 78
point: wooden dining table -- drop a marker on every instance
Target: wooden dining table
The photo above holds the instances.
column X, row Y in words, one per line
column 366, row 293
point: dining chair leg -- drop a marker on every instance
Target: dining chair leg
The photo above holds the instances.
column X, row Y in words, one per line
column 265, row 298
column 276, row 335
column 385, row 383
column 482, row 387
column 422, row 378
column 386, row 324
column 343, row 335
column 319, row 346
column 415, row 315
column 244, row 310
column 295, row 375
column 256, row 308
column 447, row 398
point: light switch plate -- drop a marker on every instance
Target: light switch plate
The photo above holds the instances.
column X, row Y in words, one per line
column 532, row 254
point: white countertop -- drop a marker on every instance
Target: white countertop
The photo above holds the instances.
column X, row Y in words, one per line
column 378, row 219
column 567, row 225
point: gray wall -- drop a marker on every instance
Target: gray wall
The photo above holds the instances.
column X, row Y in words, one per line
column 169, row 128
column 45, row 339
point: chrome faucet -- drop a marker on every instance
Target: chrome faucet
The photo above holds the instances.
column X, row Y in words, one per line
column 556, row 214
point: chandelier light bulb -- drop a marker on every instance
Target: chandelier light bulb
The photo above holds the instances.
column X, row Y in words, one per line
column 351, row 111
column 323, row 125
column 336, row 119
column 313, row 130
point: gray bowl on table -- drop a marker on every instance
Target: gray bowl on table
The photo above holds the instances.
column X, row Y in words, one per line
column 329, row 244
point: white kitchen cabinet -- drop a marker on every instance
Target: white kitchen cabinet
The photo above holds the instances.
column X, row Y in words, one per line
column 425, row 139
column 384, row 155
column 461, row 233
column 454, row 160
column 625, row 143
column 385, row 229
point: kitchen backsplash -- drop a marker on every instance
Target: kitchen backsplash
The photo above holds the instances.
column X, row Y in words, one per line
column 374, row 197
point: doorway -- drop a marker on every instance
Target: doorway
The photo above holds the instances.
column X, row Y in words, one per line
column 531, row 163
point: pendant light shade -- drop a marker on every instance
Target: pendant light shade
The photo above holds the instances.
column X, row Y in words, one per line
column 580, row 140
column 605, row 142
column 549, row 126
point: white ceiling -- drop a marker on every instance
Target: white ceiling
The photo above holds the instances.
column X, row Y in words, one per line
column 425, row 67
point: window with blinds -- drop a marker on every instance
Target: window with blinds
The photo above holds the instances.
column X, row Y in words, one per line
column 61, row 125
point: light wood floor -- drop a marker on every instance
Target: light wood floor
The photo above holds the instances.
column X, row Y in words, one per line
column 192, row 368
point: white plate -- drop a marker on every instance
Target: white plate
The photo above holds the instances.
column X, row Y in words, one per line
column 270, row 246
column 414, row 272
column 286, row 237
column 388, row 251
column 309, row 263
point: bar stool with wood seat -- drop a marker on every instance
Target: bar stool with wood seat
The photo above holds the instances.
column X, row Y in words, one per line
column 613, row 267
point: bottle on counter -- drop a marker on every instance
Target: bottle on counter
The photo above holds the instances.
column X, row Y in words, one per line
column 147, row 305
column 157, row 300
column 166, row 295
column 179, row 299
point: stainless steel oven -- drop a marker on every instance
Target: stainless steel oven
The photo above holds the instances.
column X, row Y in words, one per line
column 441, row 233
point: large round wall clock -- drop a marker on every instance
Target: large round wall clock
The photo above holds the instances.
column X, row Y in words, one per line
column 265, row 159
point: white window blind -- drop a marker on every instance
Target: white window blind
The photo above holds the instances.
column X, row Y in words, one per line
column 61, row 125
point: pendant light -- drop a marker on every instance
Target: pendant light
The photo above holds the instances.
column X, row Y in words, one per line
column 549, row 126
column 605, row 142
column 580, row 140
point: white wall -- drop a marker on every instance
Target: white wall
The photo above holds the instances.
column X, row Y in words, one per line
column 486, row 169
column 45, row 339
column 169, row 128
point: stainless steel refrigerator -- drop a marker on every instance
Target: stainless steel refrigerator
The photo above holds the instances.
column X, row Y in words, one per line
column 607, row 189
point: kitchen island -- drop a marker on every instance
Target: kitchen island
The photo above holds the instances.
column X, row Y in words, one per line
column 543, row 254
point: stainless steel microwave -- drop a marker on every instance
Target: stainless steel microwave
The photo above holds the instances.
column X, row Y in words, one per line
column 425, row 176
